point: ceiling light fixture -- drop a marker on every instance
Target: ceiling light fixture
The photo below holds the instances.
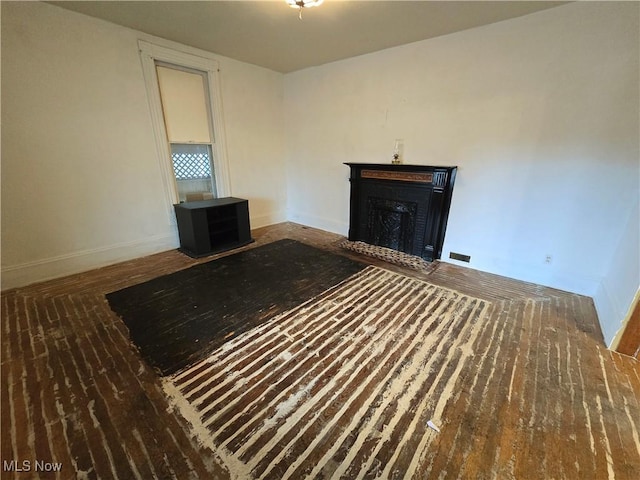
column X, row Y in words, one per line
column 300, row 4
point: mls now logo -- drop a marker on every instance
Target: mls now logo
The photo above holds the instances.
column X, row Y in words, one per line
column 28, row 466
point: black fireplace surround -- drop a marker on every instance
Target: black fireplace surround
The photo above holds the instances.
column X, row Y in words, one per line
column 403, row 207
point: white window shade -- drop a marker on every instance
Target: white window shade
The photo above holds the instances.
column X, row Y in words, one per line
column 184, row 103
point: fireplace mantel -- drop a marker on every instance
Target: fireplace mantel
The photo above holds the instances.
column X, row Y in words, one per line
column 399, row 206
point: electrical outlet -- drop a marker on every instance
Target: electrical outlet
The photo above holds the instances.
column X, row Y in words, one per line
column 547, row 259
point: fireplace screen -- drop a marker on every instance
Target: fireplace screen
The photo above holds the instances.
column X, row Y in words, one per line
column 391, row 223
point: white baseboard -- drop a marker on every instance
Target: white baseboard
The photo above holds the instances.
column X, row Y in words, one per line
column 613, row 311
column 618, row 336
column 267, row 219
column 59, row 266
column 326, row 224
column 20, row 275
column 610, row 312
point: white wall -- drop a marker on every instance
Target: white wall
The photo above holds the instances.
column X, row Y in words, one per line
column 81, row 182
column 539, row 113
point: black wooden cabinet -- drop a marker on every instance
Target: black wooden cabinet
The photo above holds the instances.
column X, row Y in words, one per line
column 212, row 226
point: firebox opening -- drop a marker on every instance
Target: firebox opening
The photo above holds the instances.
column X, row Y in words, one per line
column 392, row 223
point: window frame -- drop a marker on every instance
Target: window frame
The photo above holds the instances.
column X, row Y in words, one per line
column 150, row 54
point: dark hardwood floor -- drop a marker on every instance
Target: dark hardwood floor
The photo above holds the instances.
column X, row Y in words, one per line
column 545, row 398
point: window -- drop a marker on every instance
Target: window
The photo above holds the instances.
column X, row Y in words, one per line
column 187, row 119
column 185, row 105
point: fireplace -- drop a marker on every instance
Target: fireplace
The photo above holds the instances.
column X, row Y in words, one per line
column 403, row 207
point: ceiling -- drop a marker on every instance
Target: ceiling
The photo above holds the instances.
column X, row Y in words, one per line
column 270, row 34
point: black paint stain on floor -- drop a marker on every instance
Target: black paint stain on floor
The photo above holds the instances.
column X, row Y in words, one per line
column 178, row 319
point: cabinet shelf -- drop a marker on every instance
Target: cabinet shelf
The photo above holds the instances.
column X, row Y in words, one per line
column 212, row 226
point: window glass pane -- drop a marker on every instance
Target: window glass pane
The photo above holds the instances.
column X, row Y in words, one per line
column 192, row 166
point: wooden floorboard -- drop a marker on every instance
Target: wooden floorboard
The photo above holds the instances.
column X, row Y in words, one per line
column 543, row 397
